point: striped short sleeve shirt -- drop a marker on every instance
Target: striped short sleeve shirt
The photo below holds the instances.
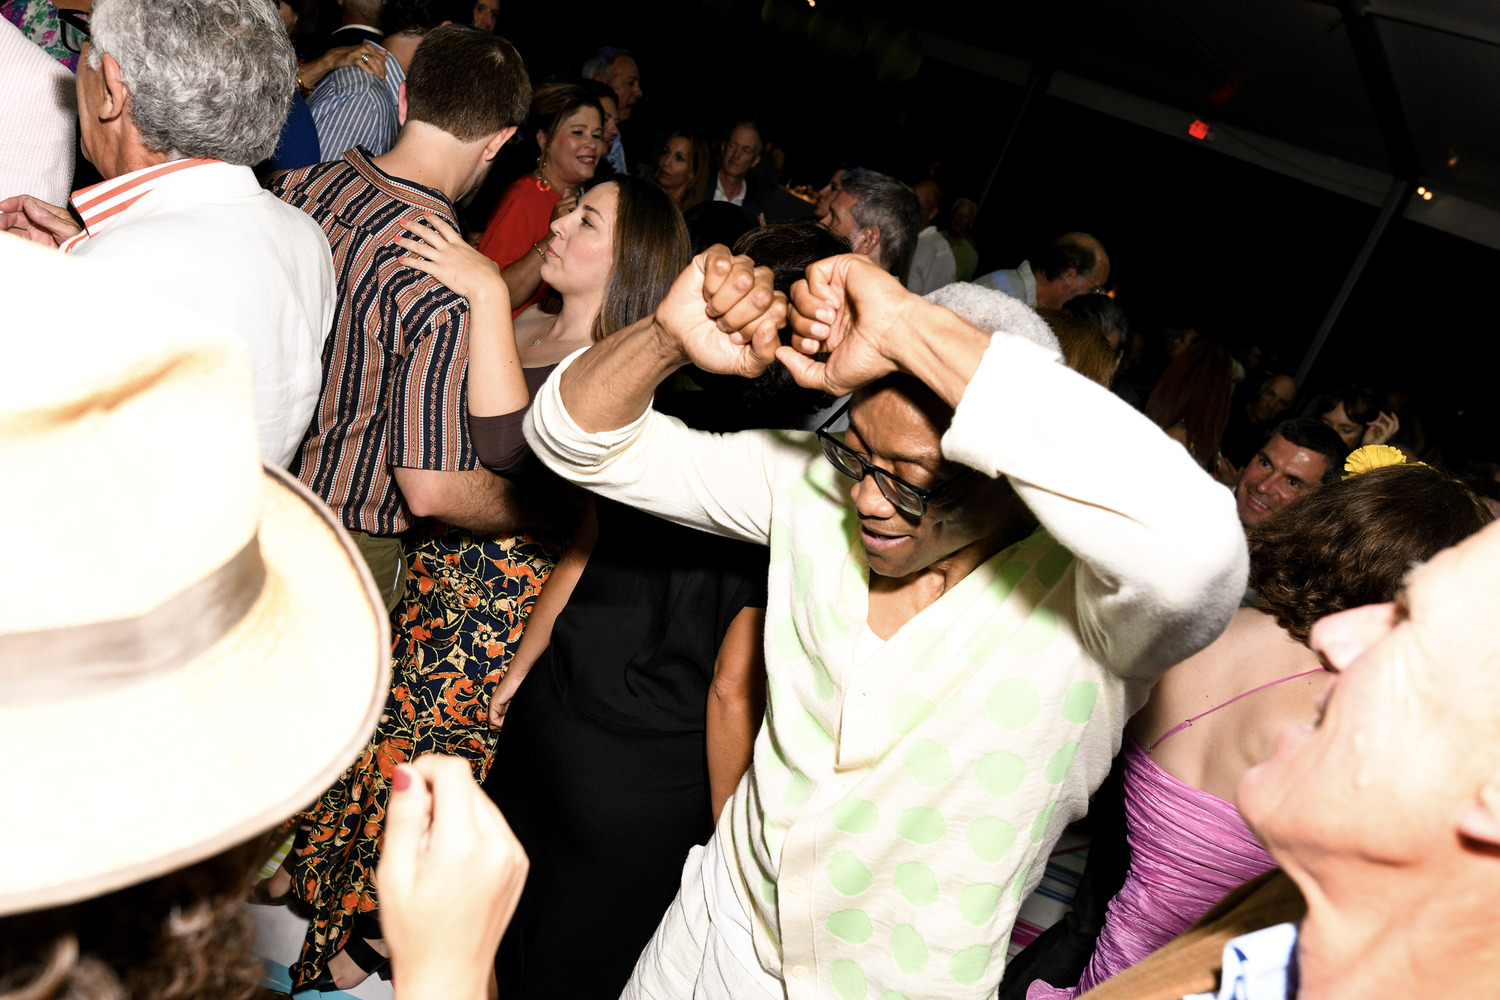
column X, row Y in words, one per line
column 395, row 362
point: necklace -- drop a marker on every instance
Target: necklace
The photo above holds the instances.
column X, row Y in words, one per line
column 546, row 331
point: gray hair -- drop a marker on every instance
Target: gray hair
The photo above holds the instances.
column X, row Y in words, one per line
column 993, row 310
column 890, row 206
column 210, row 78
column 601, row 62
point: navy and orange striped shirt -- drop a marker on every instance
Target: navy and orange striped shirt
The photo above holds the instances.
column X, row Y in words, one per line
column 394, row 365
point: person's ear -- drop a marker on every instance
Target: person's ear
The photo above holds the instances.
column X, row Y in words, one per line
column 1481, row 821
column 116, row 97
column 499, row 139
column 541, row 140
column 866, row 241
column 400, row 101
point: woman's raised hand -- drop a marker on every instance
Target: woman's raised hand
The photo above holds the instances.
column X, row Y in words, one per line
column 443, row 253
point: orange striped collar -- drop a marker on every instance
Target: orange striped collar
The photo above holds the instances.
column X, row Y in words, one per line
column 97, row 204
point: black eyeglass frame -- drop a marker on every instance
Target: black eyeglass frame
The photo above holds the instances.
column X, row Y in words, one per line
column 73, row 29
column 884, row 481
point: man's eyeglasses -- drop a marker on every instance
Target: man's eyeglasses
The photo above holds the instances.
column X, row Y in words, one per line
column 75, row 29
column 908, row 499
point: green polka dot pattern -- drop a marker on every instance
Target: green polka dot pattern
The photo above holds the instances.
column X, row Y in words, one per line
column 1039, row 825
column 802, row 575
column 811, row 736
column 1037, row 634
column 977, row 902
column 928, row 763
column 1013, row 703
column 847, row 874
column 968, row 966
column 921, row 825
column 1078, row 705
column 848, row 979
column 908, row 949
column 851, row 925
column 822, row 681
column 916, row 883
column 1061, row 762
column 908, row 711
column 797, row 789
column 990, row 838
column 1000, row 773
column 853, row 814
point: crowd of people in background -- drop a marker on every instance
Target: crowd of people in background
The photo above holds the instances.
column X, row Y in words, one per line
column 790, row 582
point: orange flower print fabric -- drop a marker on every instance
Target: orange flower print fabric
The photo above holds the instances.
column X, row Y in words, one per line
column 458, row 625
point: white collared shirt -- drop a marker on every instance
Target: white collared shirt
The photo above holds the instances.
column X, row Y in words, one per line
column 204, row 233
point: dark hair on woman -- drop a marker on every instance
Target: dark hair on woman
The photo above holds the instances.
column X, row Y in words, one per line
column 1352, row 542
column 1359, row 403
column 697, row 189
column 183, row 936
column 650, row 250
column 1195, row 392
column 1084, row 348
column 552, row 105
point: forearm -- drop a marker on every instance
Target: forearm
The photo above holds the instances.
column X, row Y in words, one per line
column 495, row 381
column 940, row 349
column 523, row 276
column 1162, row 558
column 478, row 500
column 736, row 704
column 612, row 383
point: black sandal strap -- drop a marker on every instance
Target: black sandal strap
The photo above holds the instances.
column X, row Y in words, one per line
column 367, row 958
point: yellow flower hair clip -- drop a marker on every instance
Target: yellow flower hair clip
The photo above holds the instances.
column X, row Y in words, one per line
column 1372, row 456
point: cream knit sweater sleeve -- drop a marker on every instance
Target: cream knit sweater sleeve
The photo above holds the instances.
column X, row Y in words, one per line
column 1162, row 557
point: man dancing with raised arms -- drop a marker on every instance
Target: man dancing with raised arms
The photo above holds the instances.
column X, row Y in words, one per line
column 947, row 681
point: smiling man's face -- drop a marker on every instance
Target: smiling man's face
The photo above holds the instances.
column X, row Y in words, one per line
column 1278, row 474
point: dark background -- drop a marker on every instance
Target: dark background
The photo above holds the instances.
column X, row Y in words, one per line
column 1197, row 239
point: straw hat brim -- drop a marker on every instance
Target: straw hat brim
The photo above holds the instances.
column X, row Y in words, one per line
column 111, row 789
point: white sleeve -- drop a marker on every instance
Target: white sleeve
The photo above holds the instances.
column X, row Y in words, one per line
column 714, row 482
column 38, row 131
column 1161, row 556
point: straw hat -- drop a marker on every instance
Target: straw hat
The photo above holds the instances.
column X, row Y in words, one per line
column 191, row 648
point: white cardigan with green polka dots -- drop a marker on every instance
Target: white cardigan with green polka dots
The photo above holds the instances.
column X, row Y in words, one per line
column 895, row 816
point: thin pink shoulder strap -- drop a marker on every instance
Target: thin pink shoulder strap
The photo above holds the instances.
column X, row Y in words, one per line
column 1183, row 725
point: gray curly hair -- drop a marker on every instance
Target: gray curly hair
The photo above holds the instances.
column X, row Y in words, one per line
column 211, row 78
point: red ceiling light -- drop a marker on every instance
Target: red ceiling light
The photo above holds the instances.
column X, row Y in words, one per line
column 1199, row 129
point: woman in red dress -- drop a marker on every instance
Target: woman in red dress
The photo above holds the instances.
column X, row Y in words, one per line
column 568, row 124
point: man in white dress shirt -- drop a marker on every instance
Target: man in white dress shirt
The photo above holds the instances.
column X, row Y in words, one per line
column 180, row 211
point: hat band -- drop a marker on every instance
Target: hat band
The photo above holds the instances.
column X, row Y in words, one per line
column 76, row 660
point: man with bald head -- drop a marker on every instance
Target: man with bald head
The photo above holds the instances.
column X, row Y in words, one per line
column 1073, row 264
column 932, row 263
column 1384, row 811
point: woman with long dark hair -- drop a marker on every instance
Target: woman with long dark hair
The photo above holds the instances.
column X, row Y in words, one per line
column 567, row 125
column 1191, row 400
column 609, row 262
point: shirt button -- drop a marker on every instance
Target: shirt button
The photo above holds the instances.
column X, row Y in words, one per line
column 796, row 886
column 799, row 972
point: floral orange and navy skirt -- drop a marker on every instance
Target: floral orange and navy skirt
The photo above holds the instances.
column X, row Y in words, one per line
column 458, row 625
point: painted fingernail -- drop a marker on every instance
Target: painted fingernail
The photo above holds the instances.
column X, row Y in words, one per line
column 401, row 780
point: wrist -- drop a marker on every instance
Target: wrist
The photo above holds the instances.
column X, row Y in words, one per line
column 438, row 984
column 665, row 346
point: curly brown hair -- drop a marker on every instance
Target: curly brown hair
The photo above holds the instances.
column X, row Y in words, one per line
column 1352, row 542
column 183, row 936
